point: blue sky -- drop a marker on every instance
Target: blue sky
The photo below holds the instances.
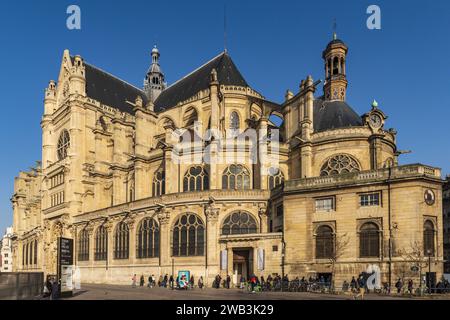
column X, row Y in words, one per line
column 405, row 66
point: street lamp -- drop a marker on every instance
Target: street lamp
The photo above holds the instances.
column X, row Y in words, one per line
column 429, row 270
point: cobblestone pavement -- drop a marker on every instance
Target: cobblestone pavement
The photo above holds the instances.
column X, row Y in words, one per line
column 116, row 292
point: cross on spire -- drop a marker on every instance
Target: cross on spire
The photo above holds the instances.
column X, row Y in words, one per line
column 334, row 29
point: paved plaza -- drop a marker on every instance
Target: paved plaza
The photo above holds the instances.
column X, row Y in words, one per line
column 116, row 292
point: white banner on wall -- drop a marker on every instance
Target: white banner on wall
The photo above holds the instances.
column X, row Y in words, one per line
column 224, row 260
column 260, row 259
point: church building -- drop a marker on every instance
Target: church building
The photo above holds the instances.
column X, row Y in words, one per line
column 207, row 175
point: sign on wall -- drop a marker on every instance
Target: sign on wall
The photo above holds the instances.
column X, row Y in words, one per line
column 224, row 260
column 260, row 259
column 65, row 266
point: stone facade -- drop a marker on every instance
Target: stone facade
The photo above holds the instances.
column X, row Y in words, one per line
column 110, row 178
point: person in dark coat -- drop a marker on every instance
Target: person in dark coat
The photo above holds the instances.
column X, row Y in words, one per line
column 55, row 290
column 399, row 286
column 228, row 281
column 353, row 284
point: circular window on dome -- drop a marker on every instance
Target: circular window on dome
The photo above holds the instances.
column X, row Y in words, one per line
column 339, row 164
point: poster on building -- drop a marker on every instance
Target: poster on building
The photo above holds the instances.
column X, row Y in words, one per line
column 65, row 266
column 183, row 279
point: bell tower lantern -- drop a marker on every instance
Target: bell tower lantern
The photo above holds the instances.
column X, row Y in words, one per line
column 154, row 80
column 335, row 86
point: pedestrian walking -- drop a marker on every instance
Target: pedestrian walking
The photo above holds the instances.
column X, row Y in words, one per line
column 228, row 281
column 150, row 282
column 141, row 281
column 200, row 282
column 410, row 286
column 399, row 285
column 192, row 282
column 171, row 282
column 362, row 288
column 133, row 283
column 353, row 284
column 55, row 290
column 253, row 281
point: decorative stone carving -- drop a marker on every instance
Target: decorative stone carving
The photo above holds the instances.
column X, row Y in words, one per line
column 262, row 210
column 163, row 215
column 212, row 213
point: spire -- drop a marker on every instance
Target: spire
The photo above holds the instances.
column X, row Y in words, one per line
column 154, row 81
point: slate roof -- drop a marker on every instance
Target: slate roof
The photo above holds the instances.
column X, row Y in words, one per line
column 227, row 74
column 330, row 115
column 110, row 90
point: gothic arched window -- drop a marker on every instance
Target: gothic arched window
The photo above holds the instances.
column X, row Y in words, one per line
column 369, row 241
column 324, row 243
column 239, row 223
column 234, row 121
column 188, row 236
column 148, row 239
column 63, row 144
column 339, row 164
column 122, row 241
column 101, row 244
column 236, row 177
column 83, row 245
column 428, row 238
column 159, row 182
column 275, row 178
column 196, row 179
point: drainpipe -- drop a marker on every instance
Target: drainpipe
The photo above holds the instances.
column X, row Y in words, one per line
column 390, row 227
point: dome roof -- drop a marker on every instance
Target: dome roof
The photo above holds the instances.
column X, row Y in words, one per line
column 329, row 115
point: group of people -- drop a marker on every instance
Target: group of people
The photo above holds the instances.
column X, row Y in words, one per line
column 167, row 281
column 226, row 283
column 408, row 287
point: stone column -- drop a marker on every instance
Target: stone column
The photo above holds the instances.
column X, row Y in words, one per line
column 164, row 231
column 264, row 159
column 109, row 226
column 90, row 229
column 263, row 217
column 131, row 222
column 212, row 252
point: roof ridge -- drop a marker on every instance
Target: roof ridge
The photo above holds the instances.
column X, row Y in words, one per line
column 113, row 76
column 192, row 72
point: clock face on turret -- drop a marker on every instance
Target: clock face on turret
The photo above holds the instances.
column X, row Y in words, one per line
column 375, row 120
